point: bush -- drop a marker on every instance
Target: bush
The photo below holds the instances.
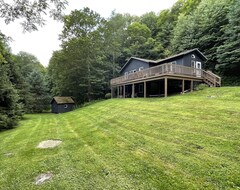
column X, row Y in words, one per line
column 108, row 96
column 201, row 86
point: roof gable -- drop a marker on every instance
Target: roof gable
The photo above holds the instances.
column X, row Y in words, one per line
column 183, row 54
column 63, row 100
column 147, row 61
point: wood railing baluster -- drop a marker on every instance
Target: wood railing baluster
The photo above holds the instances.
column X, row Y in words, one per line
column 168, row 68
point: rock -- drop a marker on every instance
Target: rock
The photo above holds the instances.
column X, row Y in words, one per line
column 8, row 154
column 49, row 144
column 42, row 178
column 211, row 96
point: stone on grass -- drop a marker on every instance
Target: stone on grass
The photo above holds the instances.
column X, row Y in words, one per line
column 43, row 178
column 8, row 154
column 49, row 144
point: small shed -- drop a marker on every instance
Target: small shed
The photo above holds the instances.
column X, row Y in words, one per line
column 62, row 104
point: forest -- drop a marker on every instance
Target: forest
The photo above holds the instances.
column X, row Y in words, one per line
column 93, row 49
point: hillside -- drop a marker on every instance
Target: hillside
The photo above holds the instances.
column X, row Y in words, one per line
column 180, row 142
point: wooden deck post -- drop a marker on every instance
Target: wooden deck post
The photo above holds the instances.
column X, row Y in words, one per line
column 165, row 86
column 117, row 91
column 120, row 91
column 183, row 86
column 133, row 90
column 124, row 91
column 145, row 89
column 191, row 85
column 111, row 92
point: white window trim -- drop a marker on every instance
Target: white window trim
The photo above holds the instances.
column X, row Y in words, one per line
column 193, row 56
column 140, row 68
column 193, row 64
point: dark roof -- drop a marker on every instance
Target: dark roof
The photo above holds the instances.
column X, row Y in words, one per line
column 139, row 59
column 182, row 54
column 63, row 100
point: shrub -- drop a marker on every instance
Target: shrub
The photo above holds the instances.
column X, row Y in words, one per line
column 108, row 96
column 201, row 86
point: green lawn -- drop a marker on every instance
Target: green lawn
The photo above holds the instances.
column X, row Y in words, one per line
column 190, row 141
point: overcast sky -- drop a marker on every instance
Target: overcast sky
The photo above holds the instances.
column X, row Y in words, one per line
column 43, row 42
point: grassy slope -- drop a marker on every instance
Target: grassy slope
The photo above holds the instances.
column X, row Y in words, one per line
column 182, row 142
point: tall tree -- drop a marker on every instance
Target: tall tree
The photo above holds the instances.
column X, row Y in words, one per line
column 138, row 34
column 229, row 52
column 202, row 29
column 115, row 34
column 40, row 98
column 31, row 13
column 10, row 108
column 26, row 63
column 82, row 43
column 150, row 20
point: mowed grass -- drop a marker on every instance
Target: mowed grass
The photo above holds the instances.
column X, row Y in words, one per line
column 188, row 141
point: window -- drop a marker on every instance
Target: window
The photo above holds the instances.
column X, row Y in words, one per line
column 140, row 68
column 174, row 62
column 126, row 73
column 65, row 106
column 193, row 64
column 193, row 56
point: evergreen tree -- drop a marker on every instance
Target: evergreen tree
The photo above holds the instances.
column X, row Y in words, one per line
column 10, row 108
column 40, row 98
column 24, row 64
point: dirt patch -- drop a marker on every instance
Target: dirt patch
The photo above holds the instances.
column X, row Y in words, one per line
column 42, row 178
column 49, row 144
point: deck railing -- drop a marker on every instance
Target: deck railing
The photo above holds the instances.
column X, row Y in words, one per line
column 163, row 69
column 211, row 79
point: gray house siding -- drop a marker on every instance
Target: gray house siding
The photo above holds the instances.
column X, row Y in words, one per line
column 190, row 57
column 54, row 107
column 178, row 61
column 134, row 64
column 61, row 108
column 185, row 60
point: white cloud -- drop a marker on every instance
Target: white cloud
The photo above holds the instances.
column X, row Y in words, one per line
column 43, row 42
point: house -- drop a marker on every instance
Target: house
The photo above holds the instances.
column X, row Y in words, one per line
column 175, row 74
column 62, row 104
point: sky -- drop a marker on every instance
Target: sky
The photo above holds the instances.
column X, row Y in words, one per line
column 43, row 42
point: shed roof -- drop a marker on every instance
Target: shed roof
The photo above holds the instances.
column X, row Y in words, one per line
column 63, row 100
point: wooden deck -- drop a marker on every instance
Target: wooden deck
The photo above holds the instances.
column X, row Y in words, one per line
column 170, row 71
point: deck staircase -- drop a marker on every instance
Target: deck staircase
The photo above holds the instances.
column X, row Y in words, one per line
column 211, row 79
